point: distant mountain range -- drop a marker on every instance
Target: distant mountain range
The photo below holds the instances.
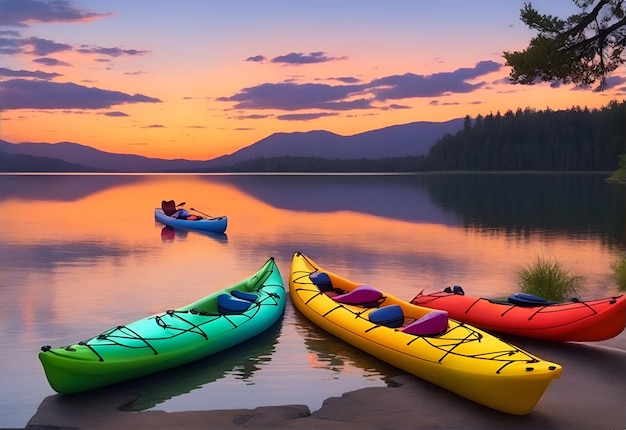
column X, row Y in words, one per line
column 405, row 140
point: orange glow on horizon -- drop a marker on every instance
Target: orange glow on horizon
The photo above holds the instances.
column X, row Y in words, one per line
column 194, row 132
column 140, row 83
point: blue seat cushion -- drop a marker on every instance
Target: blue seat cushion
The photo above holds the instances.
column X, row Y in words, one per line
column 389, row 316
column 243, row 295
column 524, row 299
column 227, row 304
column 321, row 281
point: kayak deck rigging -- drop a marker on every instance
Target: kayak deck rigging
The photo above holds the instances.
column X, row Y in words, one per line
column 447, row 344
column 116, row 335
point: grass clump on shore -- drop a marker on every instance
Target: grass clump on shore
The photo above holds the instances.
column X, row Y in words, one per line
column 619, row 175
column 619, row 273
column 548, row 279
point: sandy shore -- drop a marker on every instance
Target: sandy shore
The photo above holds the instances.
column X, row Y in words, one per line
column 589, row 395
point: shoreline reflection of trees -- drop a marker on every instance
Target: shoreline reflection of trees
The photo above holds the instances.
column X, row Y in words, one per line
column 517, row 203
column 63, row 188
column 522, row 203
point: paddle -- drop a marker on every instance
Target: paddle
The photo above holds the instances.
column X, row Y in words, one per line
column 206, row 215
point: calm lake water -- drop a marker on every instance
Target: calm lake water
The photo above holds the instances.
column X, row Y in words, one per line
column 82, row 253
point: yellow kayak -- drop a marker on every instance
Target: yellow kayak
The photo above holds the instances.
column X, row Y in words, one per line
column 421, row 341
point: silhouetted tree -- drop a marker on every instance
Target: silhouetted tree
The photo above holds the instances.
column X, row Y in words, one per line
column 568, row 140
column 581, row 49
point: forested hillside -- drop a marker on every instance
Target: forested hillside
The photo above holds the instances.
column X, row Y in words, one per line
column 28, row 163
column 568, row 140
column 324, row 165
column 577, row 139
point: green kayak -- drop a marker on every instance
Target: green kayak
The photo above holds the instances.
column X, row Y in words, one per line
column 169, row 339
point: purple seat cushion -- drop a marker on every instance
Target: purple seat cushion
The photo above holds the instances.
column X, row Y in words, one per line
column 359, row 296
column 432, row 323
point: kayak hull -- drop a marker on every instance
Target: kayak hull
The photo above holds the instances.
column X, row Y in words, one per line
column 462, row 359
column 580, row 321
column 214, row 225
column 168, row 339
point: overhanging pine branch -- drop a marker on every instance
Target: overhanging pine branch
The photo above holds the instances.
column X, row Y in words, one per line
column 587, row 19
column 601, row 34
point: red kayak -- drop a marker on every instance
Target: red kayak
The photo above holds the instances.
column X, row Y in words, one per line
column 531, row 316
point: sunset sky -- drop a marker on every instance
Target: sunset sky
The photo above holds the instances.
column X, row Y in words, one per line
column 197, row 79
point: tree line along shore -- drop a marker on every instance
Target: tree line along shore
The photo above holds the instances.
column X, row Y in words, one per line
column 577, row 139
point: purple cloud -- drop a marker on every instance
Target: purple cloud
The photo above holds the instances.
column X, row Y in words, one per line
column 27, row 74
column 21, row 13
column 45, row 46
column 111, row 52
column 410, row 85
column 47, row 61
column 115, row 113
column 438, row 103
column 288, row 96
column 300, row 58
column 611, row 82
column 255, row 116
column 10, row 45
column 303, row 116
column 291, row 96
column 256, row 59
column 347, row 105
column 394, row 106
column 25, row 94
column 347, row 79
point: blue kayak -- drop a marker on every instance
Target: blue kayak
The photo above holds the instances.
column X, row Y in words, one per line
column 212, row 224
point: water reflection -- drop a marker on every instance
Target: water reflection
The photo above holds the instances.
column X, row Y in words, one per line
column 400, row 197
column 241, row 362
column 520, row 203
column 516, row 202
column 87, row 255
column 170, row 234
column 62, row 188
column 331, row 353
column 244, row 363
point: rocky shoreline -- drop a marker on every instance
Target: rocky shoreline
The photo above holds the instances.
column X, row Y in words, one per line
column 589, row 395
